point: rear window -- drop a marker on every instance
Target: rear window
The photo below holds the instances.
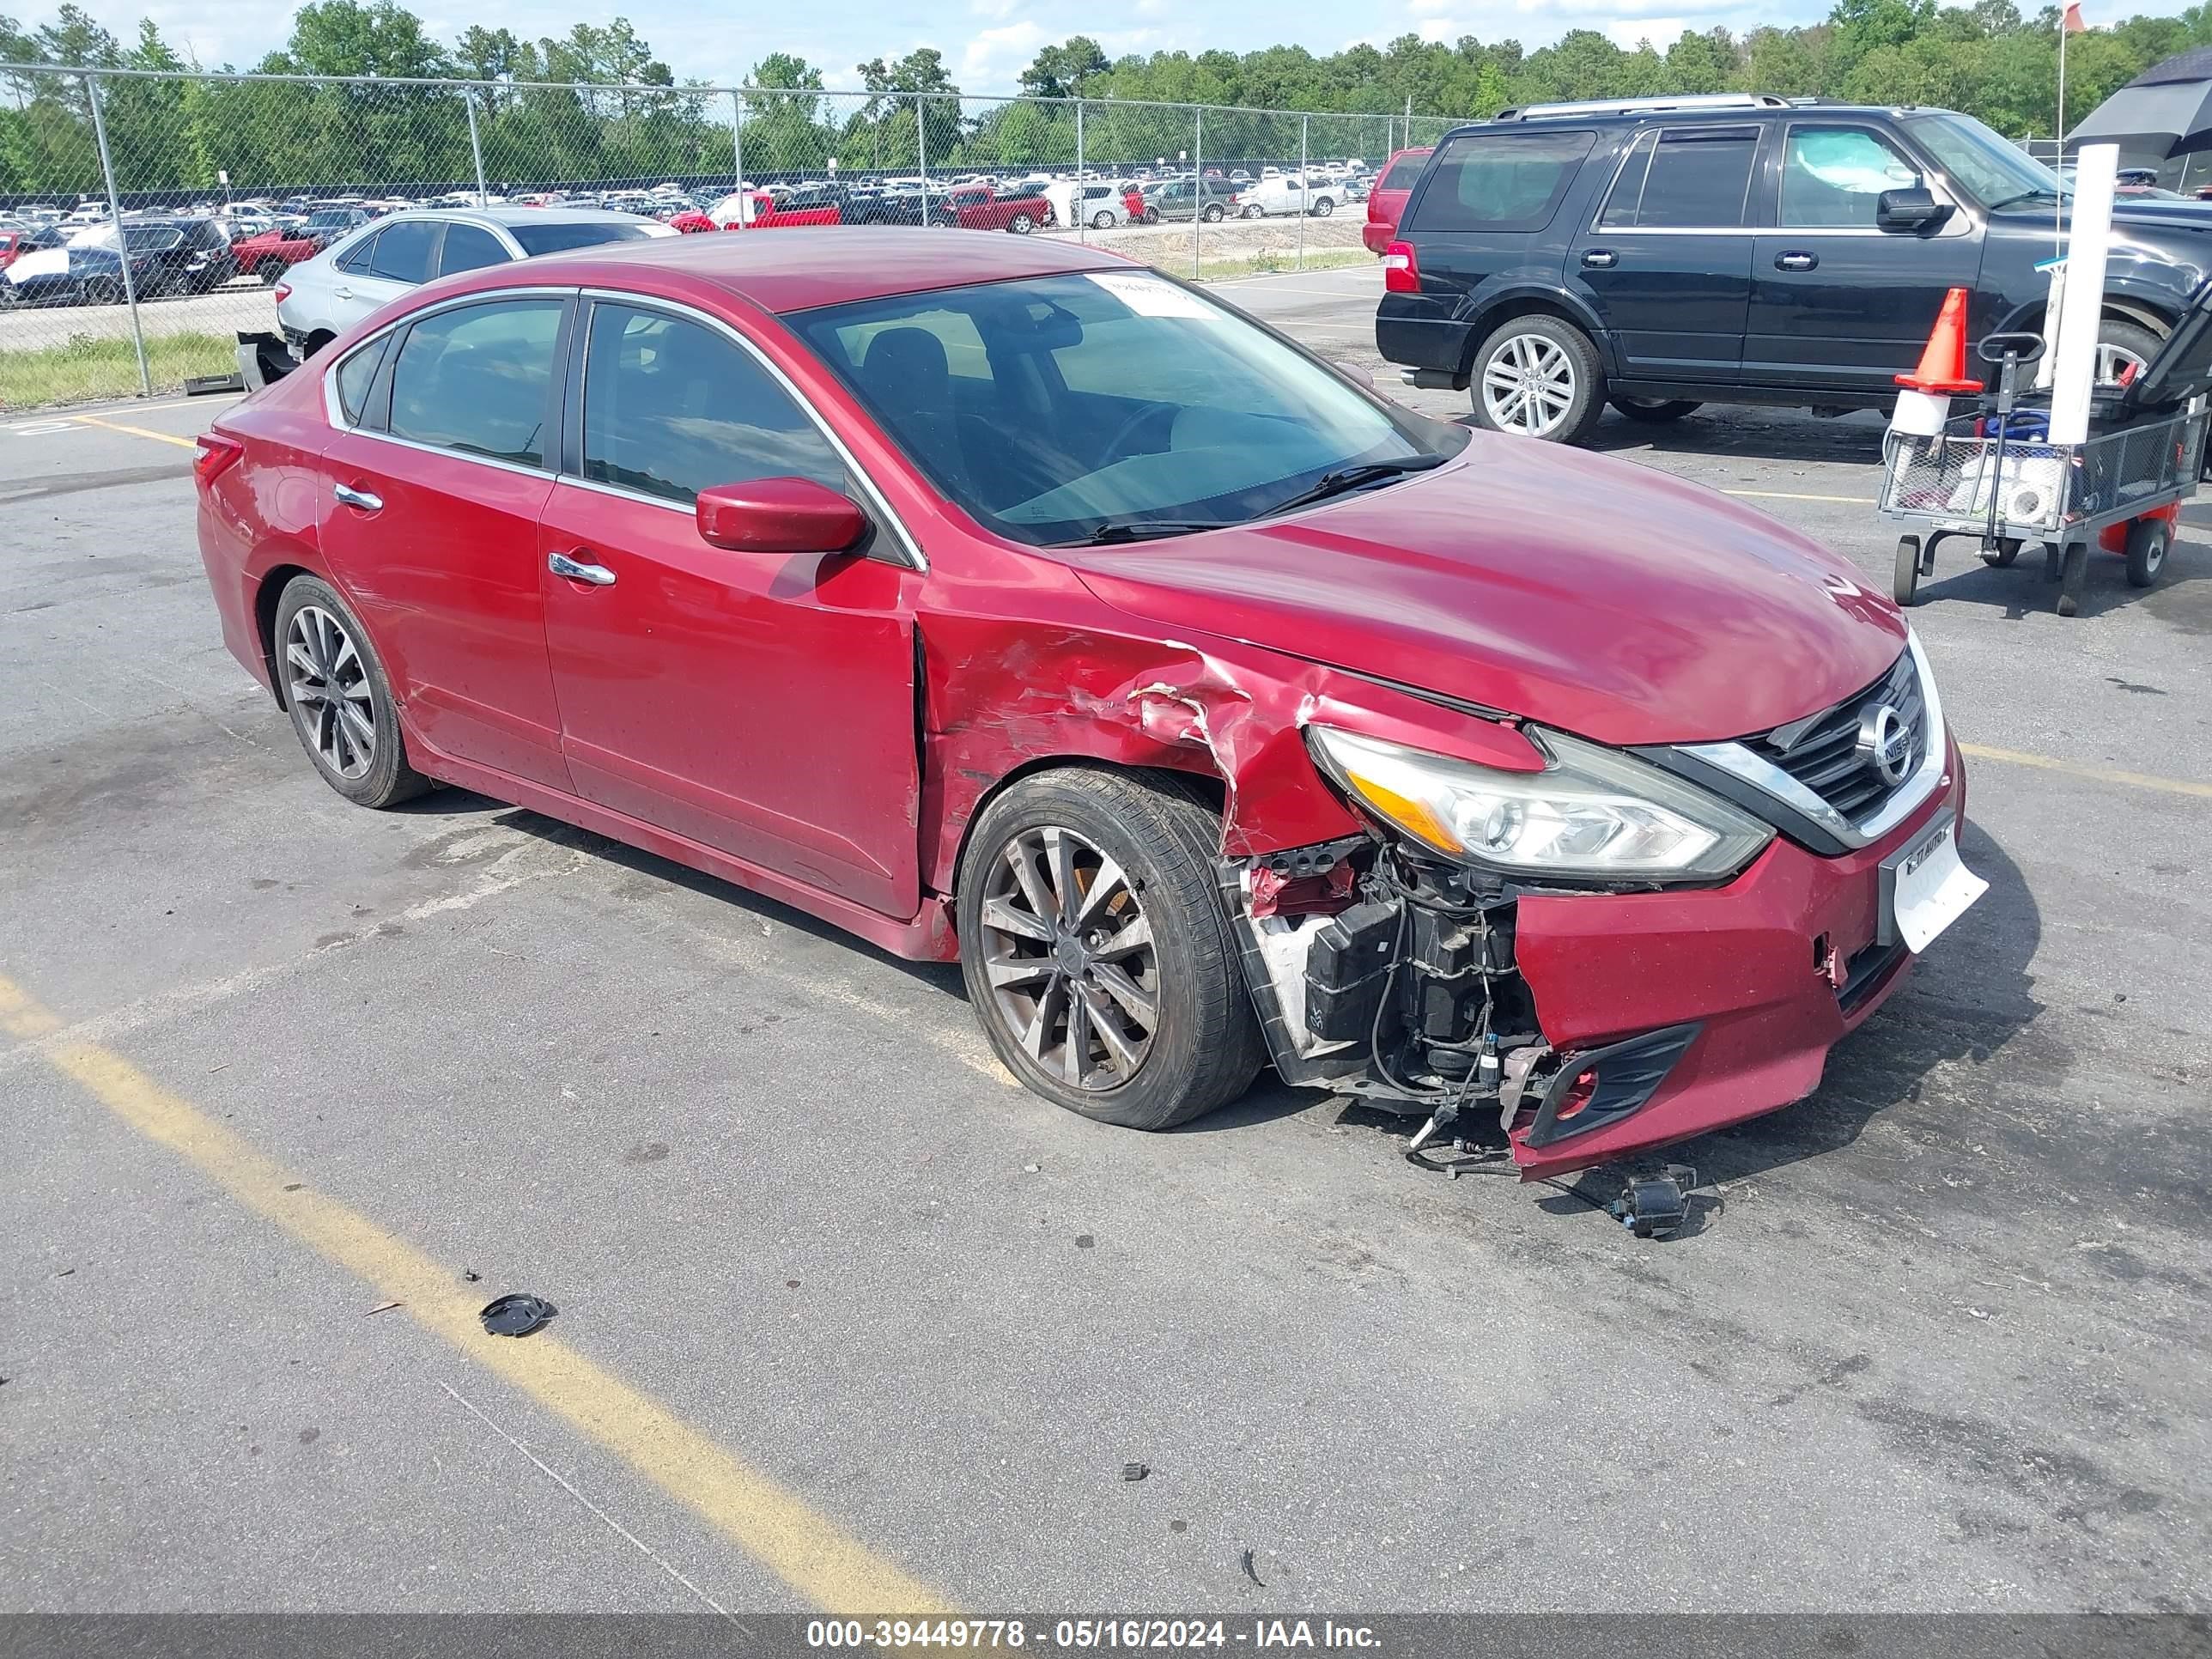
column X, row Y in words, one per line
column 1401, row 173
column 554, row 238
column 1500, row 181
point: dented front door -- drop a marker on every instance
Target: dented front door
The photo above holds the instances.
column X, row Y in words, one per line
column 759, row 704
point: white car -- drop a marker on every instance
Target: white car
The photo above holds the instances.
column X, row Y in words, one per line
column 319, row 299
column 1099, row 206
column 1286, row 192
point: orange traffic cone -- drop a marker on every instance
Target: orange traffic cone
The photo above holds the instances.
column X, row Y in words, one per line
column 1924, row 404
column 1943, row 365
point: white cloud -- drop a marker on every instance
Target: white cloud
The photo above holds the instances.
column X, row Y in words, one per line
column 1671, row 11
column 1428, row 8
column 1630, row 32
column 1440, row 30
column 995, row 8
column 995, row 58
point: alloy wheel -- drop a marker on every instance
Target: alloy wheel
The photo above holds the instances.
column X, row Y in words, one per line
column 1529, row 385
column 2113, row 360
column 1069, row 956
column 328, row 692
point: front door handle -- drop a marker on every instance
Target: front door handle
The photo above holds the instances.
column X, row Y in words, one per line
column 1795, row 261
column 360, row 498
column 341, row 292
column 576, row 570
column 1601, row 259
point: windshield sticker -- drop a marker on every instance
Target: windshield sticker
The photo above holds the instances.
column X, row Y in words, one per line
column 1148, row 297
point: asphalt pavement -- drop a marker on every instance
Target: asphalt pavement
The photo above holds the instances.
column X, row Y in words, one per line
column 846, row 1320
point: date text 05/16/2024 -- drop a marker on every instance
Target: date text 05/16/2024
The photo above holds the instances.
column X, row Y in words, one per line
column 1085, row 1635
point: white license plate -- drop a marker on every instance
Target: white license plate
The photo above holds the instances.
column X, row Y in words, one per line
column 1929, row 888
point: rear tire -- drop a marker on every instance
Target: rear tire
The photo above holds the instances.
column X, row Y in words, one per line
column 1323, row 207
column 1103, row 221
column 2117, row 342
column 1039, row 981
column 1553, row 368
column 1656, row 411
column 1021, row 224
column 334, row 687
column 2148, row 542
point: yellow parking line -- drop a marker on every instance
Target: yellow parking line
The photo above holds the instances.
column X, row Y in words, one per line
column 1792, row 496
column 809, row 1552
column 2096, row 774
column 134, row 431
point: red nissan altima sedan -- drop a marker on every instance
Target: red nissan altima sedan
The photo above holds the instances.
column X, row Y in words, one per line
column 1001, row 600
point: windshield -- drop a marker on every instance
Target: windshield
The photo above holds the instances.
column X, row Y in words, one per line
column 1057, row 409
column 553, row 238
column 1980, row 162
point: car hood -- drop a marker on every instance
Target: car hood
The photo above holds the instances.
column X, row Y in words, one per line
column 1587, row 594
column 46, row 262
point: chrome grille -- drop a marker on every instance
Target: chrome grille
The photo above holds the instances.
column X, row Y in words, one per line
column 1822, row 752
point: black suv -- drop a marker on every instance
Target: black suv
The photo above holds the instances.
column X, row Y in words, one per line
column 1736, row 248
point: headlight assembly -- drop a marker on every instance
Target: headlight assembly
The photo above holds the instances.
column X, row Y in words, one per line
column 1593, row 813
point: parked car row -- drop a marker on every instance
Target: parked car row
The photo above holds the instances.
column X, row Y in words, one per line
column 165, row 257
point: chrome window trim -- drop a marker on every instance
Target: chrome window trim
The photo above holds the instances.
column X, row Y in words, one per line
column 914, row 557
column 1657, row 134
column 1740, row 761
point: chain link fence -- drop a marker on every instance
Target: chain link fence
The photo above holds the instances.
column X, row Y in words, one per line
column 145, row 219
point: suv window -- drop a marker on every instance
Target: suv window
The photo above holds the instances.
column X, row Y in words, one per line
column 672, row 408
column 475, row 379
column 469, row 247
column 1684, row 177
column 1500, row 181
column 356, row 258
column 1832, row 178
column 1402, row 173
column 404, row 250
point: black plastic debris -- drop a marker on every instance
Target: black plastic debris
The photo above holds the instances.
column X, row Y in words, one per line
column 517, row 1314
column 1135, row 1471
column 1653, row 1206
column 1252, row 1575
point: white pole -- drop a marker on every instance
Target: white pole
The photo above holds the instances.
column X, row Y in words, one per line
column 2096, row 170
column 2059, row 209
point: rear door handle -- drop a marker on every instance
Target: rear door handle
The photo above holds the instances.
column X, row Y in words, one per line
column 576, row 570
column 360, row 498
column 341, row 292
column 1601, row 259
column 1795, row 261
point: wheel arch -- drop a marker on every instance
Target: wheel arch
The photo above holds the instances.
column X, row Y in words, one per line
column 1526, row 302
column 1208, row 786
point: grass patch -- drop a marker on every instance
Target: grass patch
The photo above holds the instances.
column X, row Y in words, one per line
column 1270, row 261
column 88, row 369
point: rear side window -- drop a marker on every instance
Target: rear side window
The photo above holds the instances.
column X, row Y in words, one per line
column 672, row 408
column 404, row 250
column 1684, row 178
column 468, row 248
column 356, row 375
column 356, row 258
column 1401, row 173
column 475, row 379
column 1500, row 181
column 554, row 238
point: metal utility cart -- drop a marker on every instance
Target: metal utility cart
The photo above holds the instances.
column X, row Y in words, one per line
column 1991, row 474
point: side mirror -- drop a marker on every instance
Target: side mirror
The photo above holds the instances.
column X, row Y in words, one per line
column 1908, row 212
column 779, row 515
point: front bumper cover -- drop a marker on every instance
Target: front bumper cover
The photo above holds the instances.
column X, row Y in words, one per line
column 1752, row 965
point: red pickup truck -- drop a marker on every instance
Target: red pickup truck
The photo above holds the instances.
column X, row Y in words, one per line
column 758, row 209
column 979, row 207
column 273, row 252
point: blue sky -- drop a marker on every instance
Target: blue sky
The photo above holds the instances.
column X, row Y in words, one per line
column 989, row 42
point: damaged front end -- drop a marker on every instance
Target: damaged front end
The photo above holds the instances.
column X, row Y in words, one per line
column 1387, row 965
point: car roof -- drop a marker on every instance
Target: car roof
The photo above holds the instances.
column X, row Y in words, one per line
column 801, row 267
column 517, row 215
column 1635, row 113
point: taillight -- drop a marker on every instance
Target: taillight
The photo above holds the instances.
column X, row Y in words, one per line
column 217, row 455
column 1402, row 273
column 283, row 291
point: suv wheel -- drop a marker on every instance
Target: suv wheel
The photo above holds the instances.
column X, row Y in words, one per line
column 2121, row 345
column 1538, row 376
column 1656, row 411
column 1095, row 949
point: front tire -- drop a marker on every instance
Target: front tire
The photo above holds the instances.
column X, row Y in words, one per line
column 1095, row 951
column 1538, row 376
column 334, row 687
column 1102, row 222
column 1213, row 213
